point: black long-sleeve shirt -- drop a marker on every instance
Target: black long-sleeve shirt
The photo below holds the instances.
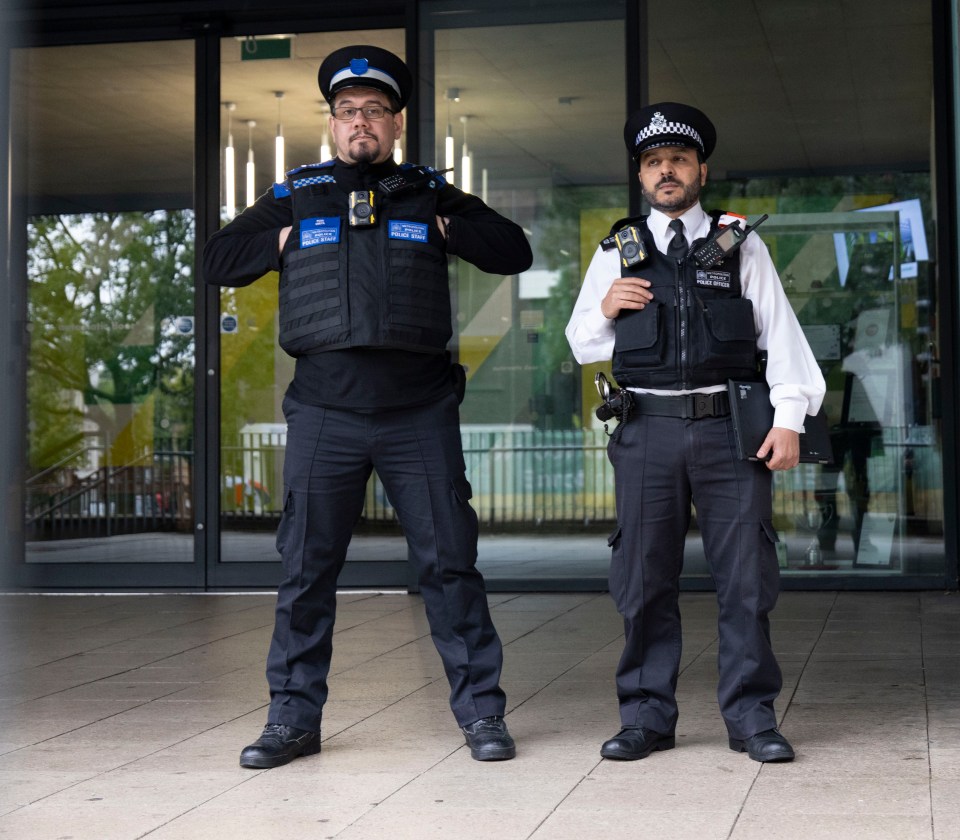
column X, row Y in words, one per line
column 366, row 379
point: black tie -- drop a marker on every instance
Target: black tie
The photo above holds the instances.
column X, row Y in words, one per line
column 678, row 245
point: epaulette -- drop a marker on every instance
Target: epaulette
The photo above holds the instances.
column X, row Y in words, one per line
column 282, row 189
column 722, row 218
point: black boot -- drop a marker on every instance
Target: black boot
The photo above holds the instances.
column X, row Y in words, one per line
column 489, row 740
column 279, row 744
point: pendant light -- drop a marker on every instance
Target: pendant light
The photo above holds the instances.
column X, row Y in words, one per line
column 448, row 155
column 251, row 168
column 280, row 169
column 325, row 151
column 453, row 95
column 229, row 166
column 466, row 161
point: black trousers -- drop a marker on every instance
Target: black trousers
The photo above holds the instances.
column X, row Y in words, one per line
column 418, row 456
column 662, row 464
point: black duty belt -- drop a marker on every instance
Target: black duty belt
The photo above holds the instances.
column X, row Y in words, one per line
column 685, row 406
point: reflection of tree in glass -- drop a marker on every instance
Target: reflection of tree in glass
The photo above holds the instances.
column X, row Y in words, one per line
column 559, row 247
column 104, row 290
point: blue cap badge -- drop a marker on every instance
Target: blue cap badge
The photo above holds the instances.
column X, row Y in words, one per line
column 359, row 66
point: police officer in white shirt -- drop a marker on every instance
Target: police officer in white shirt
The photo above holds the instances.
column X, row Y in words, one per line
column 678, row 328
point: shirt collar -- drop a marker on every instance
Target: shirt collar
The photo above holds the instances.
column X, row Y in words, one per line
column 696, row 224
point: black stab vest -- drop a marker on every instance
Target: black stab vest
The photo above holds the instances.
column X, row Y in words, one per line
column 382, row 285
column 697, row 331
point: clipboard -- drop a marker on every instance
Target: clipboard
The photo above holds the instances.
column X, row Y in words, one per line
column 752, row 416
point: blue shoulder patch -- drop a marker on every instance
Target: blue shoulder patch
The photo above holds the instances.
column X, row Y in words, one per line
column 325, row 165
column 281, row 190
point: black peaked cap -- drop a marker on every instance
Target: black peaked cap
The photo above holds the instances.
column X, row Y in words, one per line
column 365, row 66
column 669, row 124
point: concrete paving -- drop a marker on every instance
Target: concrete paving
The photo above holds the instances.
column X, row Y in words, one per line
column 122, row 717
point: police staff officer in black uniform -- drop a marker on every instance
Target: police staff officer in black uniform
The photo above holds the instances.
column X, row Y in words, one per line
column 677, row 329
column 365, row 310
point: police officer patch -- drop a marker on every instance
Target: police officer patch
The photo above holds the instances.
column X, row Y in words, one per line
column 713, row 279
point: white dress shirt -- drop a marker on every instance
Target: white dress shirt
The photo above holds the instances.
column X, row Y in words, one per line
column 796, row 383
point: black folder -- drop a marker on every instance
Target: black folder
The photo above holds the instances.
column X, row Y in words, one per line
column 752, row 416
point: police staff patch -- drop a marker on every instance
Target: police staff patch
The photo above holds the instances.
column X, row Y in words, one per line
column 411, row 231
column 713, row 279
column 320, row 230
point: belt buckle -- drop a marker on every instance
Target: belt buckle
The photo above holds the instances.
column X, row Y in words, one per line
column 703, row 406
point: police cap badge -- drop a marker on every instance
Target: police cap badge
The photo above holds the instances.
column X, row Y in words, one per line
column 365, row 66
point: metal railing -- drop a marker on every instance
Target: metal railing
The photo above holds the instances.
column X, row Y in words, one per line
column 521, row 479
column 153, row 493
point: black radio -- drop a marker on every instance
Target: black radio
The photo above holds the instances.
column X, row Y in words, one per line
column 410, row 176
column 723, row 243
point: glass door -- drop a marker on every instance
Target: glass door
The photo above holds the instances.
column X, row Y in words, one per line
column 104, row 136
column 271, row 102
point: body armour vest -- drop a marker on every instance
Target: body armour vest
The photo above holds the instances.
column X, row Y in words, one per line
column 366, row 285
column 697, row 331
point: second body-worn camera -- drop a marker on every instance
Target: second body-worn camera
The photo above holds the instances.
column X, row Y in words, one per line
column 361, row 211
column 629, row 246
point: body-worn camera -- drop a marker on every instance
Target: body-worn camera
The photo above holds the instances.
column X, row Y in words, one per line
column 361, row 212
column 629, row 246
column 616, row 401
column 723, row 243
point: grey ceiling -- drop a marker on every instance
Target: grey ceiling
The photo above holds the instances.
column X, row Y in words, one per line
column 812, row 86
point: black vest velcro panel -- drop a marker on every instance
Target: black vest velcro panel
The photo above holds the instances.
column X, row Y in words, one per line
column 375, row 286
column 697, row 331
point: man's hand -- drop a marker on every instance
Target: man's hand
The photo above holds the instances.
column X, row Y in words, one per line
column 783, row 446
column 626, row 293
column 284, row 233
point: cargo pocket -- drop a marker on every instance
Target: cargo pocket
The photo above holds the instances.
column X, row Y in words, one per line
column 462, row 489
column 770, row 531
column 461, row 527
column 618, row 572
column 285, row 528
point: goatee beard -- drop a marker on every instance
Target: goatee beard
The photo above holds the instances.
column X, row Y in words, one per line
column 686, row 199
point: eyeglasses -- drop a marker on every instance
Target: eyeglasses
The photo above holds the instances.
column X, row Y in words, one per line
column 371, row 112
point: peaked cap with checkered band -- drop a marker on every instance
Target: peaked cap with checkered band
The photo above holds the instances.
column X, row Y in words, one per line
column 669, row 124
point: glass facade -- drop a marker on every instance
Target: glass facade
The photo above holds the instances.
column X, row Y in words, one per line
column 524, row 106
column 110, row 301
column 845, row 174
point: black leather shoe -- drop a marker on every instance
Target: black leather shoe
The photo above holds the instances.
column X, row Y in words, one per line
column 634, row 742
column 279, row 745
column 489, row 740
column 764, row 746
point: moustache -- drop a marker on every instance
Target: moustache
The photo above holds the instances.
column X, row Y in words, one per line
column 362, row 135
column 668, row 181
